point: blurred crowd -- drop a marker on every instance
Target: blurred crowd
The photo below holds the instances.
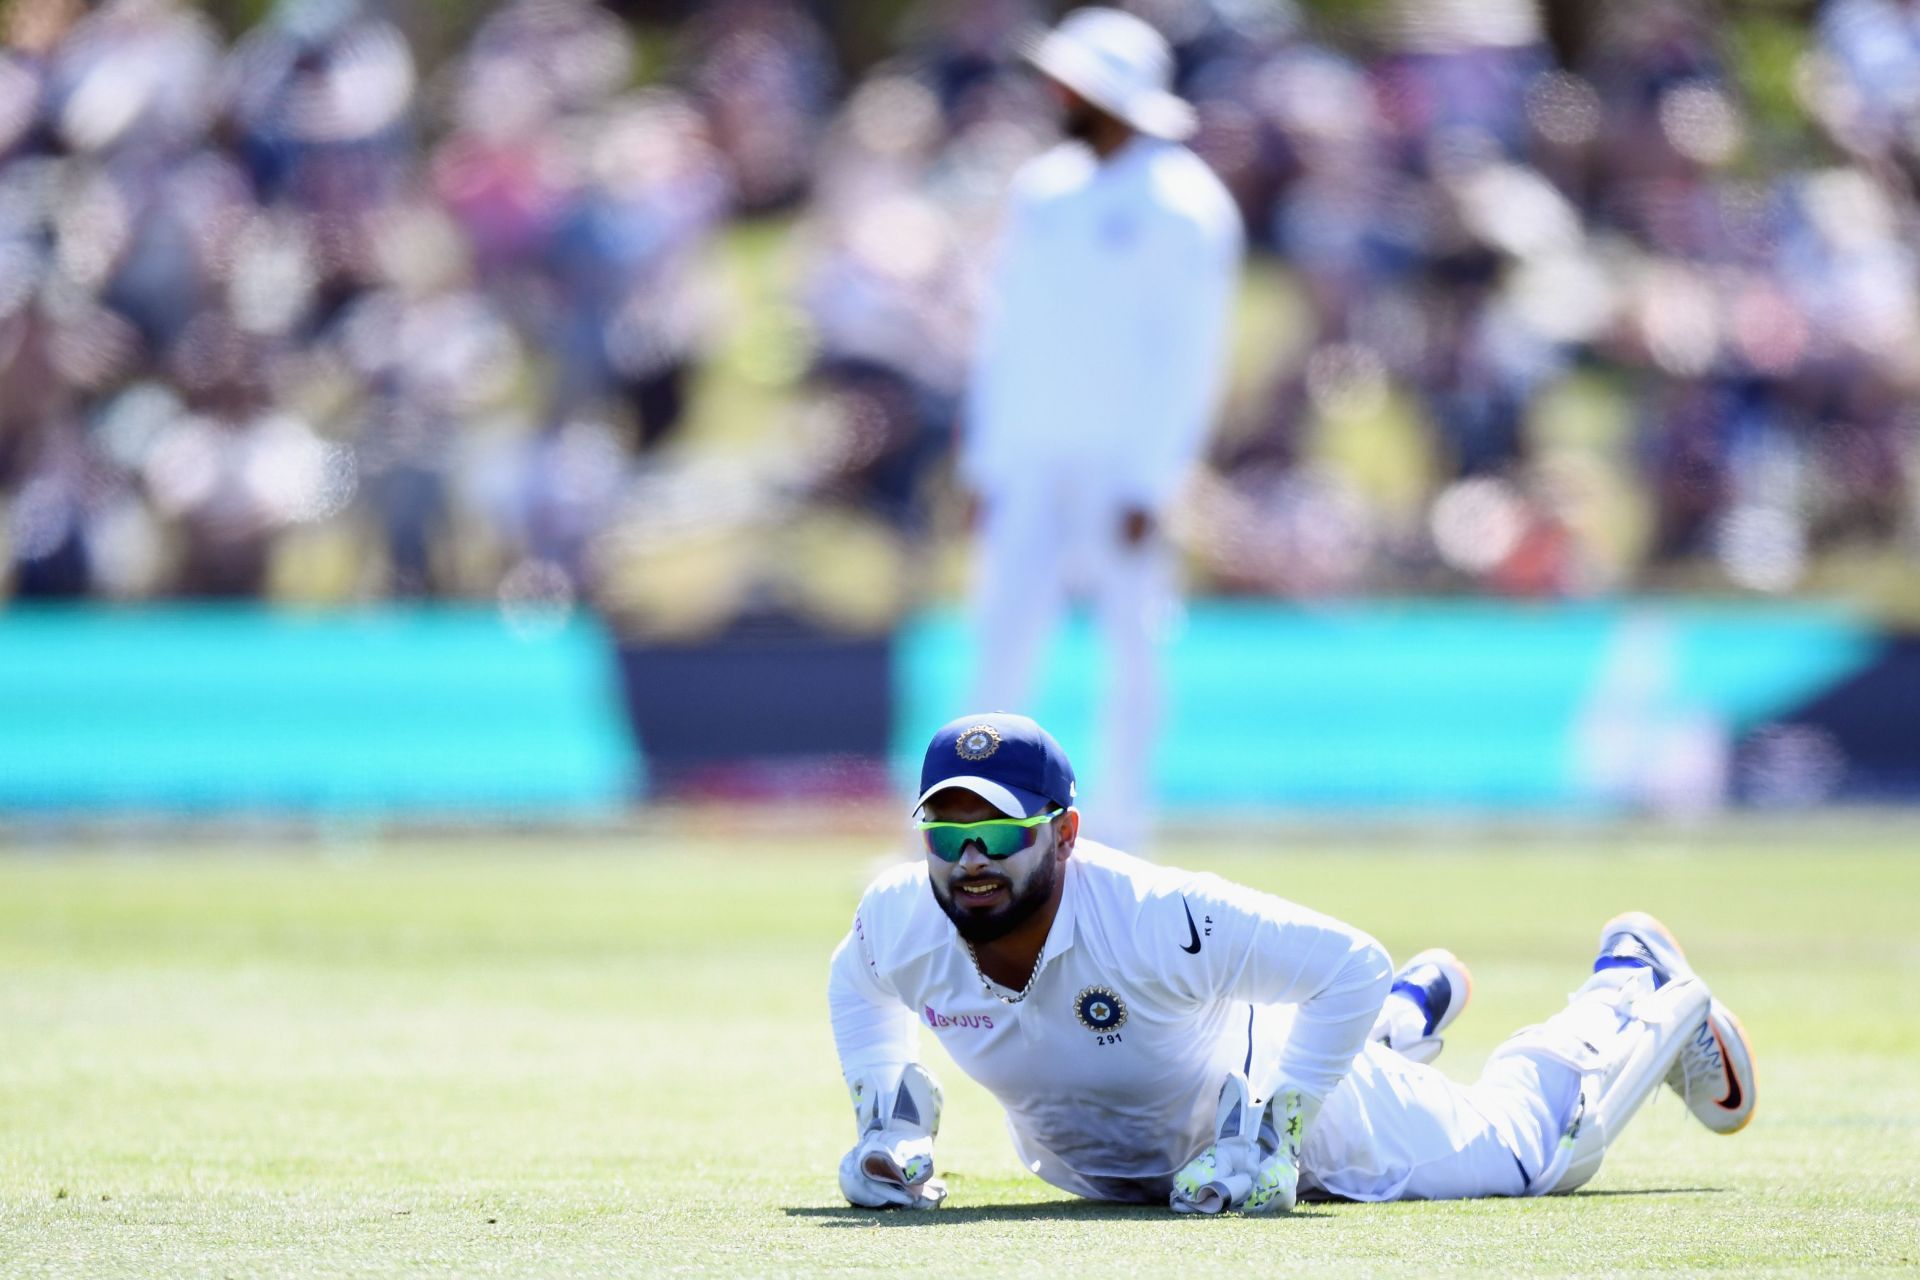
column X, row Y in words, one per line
column 681, row 330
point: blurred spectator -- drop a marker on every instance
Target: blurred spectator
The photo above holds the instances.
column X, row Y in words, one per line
column 624, row 256
column 762, row 72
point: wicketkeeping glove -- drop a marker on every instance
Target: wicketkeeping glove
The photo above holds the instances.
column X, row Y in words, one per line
column 1253, row 1163
column 891, row 1166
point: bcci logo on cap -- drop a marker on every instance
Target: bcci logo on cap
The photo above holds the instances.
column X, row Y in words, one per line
column 977, row 743
column 1100, row 1009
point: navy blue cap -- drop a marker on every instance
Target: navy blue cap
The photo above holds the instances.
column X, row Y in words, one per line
column 1009, row 761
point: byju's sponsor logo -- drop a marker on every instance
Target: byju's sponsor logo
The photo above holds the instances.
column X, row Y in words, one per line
column 936, row 1020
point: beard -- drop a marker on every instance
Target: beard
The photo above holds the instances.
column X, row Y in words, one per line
column 1023, row 903
column 1079, row 121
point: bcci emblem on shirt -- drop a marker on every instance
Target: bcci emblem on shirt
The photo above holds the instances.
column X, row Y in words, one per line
column 1100, row 1009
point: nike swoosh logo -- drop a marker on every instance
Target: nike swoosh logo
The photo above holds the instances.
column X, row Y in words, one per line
column 1734, row 1096
column 1192, row 945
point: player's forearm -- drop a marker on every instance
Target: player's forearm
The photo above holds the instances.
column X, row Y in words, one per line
column 1177, row 408
column 1331, row 1025
column 870, row 1029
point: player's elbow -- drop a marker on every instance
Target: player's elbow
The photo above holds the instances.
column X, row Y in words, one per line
column 839, row 979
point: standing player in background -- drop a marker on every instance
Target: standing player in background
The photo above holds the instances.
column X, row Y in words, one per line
column 1156, row 1035
column 1097, row 371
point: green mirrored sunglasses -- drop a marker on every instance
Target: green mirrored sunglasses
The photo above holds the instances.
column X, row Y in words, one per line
column 997, row 837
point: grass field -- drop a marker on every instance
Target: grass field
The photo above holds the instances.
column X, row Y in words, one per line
column 562, row 1056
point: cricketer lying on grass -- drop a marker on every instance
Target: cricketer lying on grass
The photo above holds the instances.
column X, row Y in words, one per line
column 1159, row 1035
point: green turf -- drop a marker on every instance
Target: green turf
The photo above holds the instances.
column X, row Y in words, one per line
column 554, row 1057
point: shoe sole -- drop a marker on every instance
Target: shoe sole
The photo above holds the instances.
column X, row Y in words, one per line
column 1737, row 1052
column 1735, row 1049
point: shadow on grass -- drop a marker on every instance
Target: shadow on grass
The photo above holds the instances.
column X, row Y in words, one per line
column 1320, row 1197
column 1105, row 1211
column 1037, row 1211
column 1653, row 1191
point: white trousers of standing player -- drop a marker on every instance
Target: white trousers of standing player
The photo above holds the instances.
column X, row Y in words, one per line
column 1049, row 537
column 1395, row 1129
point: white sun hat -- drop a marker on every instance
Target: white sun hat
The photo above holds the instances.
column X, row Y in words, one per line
column 1119, row 64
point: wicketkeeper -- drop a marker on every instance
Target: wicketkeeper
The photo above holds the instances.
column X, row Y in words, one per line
column 1160, row 1035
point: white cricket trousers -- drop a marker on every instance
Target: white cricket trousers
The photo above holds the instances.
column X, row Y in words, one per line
column 1395, row 1129
column 1401, row 1130
column 1047, row 539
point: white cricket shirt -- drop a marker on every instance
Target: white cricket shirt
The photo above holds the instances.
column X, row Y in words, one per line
column 1104, row 328
column 1153, row 984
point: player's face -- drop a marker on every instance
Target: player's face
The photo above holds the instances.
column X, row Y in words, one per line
column 1079, row 119
column 986, row 898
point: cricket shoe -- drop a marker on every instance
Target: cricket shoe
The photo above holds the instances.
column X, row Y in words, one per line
column 1714, row 1072
column 1429, row 992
